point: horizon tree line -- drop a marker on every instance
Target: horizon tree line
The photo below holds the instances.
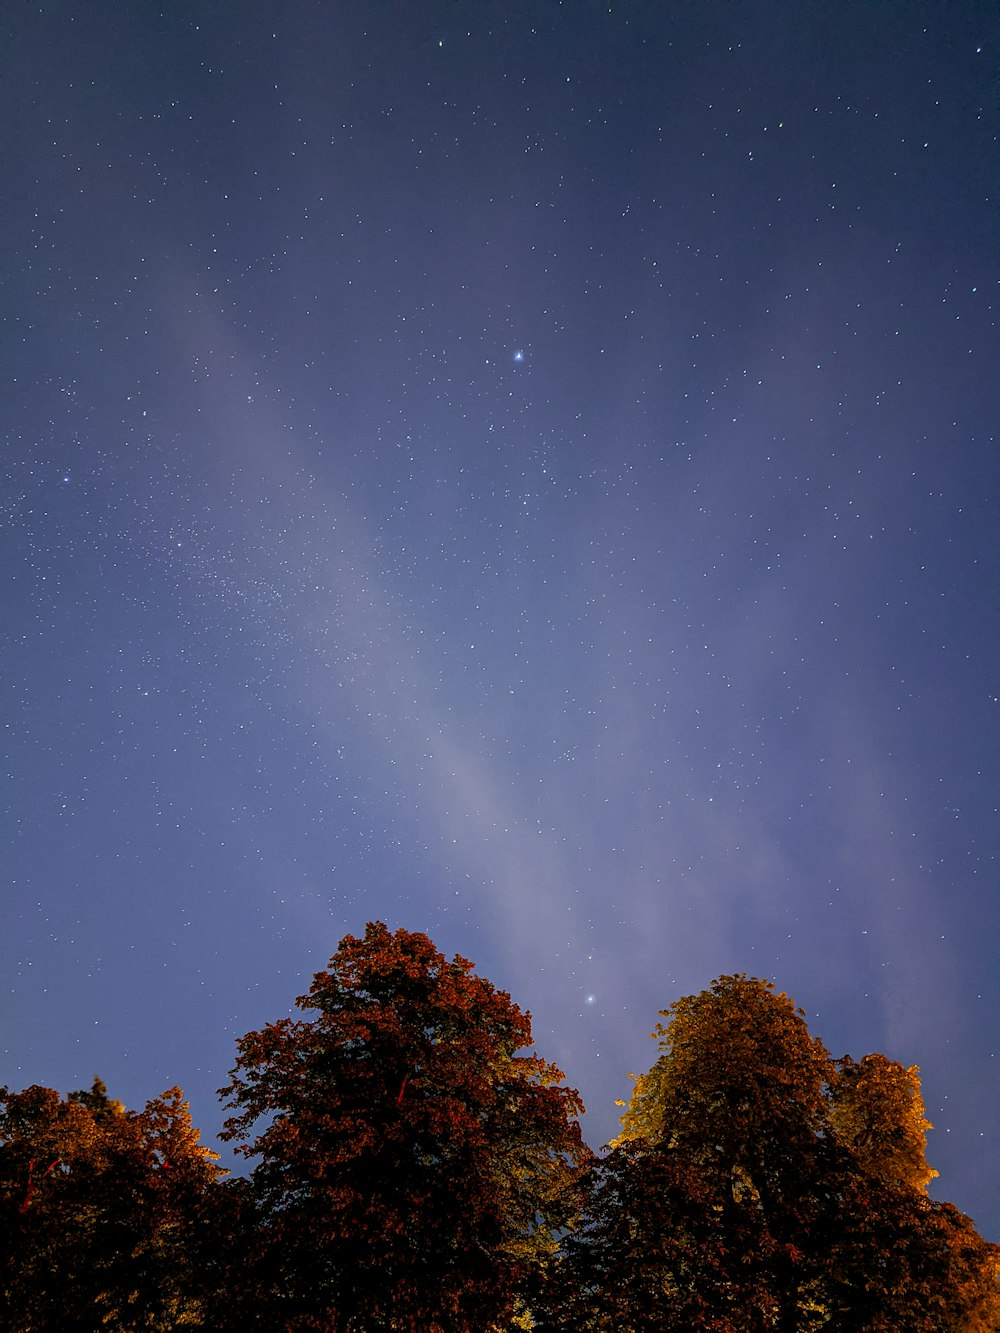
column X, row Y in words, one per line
column 417, row 1166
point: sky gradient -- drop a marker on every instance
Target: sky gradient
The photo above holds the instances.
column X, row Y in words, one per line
column 523, row 472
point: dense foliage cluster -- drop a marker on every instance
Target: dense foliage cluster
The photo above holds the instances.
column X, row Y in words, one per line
column 759, row 1184
column 414, row 1169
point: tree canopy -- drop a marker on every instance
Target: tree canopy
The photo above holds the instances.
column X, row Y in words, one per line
column 413, row 1167
column 102, row 1211
column 416, row 1165
column 759, row 1183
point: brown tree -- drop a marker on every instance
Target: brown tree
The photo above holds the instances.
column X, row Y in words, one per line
column 102, row 1212
column 414, row 1168
column 812, row 1178
column 738, row 1097
column 655, row 1251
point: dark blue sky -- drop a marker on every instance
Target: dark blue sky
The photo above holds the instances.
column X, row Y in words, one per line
column 524, row 472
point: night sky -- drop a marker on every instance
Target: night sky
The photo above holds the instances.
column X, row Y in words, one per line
column 524, row 472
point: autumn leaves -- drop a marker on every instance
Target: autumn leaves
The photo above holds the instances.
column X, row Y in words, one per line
column 416, row 1167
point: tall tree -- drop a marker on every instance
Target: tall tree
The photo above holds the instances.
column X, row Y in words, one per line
column 738, row 1097
column 414, row 1168
column 812, row 1177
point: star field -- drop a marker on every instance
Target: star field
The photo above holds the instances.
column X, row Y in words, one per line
column 526, row 473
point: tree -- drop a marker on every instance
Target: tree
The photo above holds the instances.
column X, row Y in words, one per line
column 100, row 1211
column 414, row 1169
column 656, row 1252
column 813, row 1175
column 738, row 1097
